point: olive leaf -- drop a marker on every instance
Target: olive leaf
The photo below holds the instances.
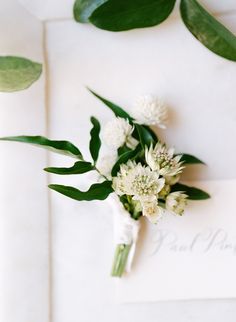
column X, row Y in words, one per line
column 117, row 110
column 190, row 159
column 83, row 9
column 210, row 32
column 192, row 192
column 145, row 136
column 95, row 142
column 61, row 147
column 125, row 158
column 98, row 191
column 17, row 73
column 78, row 168
column 118, row 15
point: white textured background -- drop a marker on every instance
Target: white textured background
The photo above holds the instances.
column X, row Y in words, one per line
column 71, row 281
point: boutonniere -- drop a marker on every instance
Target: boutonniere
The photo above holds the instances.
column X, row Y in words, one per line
column 141, row 175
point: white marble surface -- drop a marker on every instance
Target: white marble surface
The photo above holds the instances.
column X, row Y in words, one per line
column 81, row 55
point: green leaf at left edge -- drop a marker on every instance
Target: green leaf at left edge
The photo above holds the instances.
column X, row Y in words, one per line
column 190, row 159
column 17, row 73
column 145, row 136
column 210, row 32
column 119, row 15
column 83, row 9
column 117, row 110
column 95, row 142
column 125, row 158
column 61, row 147
column 78, row 168
column 192, row 192
column 98, row 191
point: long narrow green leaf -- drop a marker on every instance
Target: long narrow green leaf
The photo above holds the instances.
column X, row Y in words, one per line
column 17, row 73
column 130, row 155
column 192, row 192
column 95, row 142
column 98, row 191
column 118, row 15
column 145, row 136
column 152, row 133
column 78, row 168
column 117, row 110
column 62, row 147
column 210, row 32
column 190, row 159
column 83, row 9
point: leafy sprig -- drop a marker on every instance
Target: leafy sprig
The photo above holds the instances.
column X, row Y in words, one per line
column 100, row 191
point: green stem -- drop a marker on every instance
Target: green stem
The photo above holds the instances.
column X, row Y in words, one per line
column 120, row 259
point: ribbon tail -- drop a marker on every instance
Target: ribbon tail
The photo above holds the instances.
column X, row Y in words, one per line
column 130, row 257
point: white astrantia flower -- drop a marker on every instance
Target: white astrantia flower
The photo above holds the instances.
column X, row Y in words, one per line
column 176, row 202
column 143, row 185
column 162, row 159
column 150, row 110
column 138, row 181
column 119, row 132
column 152, row 211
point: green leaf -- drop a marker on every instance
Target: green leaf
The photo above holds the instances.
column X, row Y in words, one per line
column 17, row 73
column 117, row 110
column 78, row 168
column 192, row 192
column 123, row 149
column 83, row 9
column 145, row 136
column 62, row 147
column 95, row 142
column 98, row 191
column 124, row 158
column 208, row 30
column 118, row 15
column 190, row 159
column 152, row 133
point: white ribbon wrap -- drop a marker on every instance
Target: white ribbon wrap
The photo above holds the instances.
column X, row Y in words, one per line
column 126, row 229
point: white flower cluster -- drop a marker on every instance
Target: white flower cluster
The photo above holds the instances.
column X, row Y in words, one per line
column 150, row 110
column 119, row 132
column 150, row 184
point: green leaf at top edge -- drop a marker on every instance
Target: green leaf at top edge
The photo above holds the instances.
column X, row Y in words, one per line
column 190, row 159
column 95, row 142
column 117, row 110
column 18, row 73
column 83, row 9
column 98, row 191
column 124, row 158
column 61, row 147
column 119, row 15
column 78, row 168
column 192, row 192
column 145, row 137
column 210, row 32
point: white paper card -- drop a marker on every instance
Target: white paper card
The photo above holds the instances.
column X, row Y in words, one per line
column 188, row 257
